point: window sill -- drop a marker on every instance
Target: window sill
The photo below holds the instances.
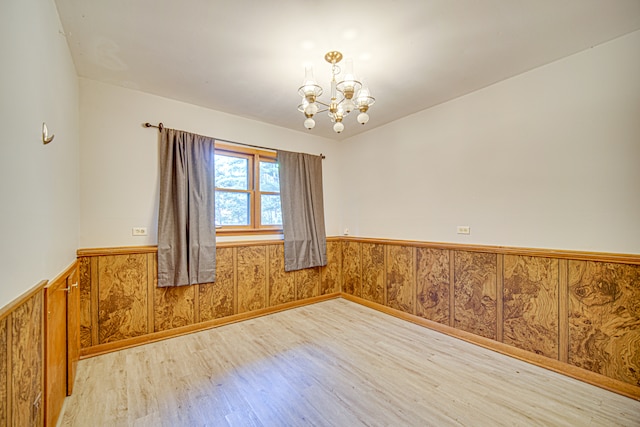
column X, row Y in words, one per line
column 247, row 231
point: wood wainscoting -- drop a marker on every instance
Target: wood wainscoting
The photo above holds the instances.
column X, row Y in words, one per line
column 61, row 343
column 577, row 313
column 22, row 360
column 34, row 378
column 121, row 305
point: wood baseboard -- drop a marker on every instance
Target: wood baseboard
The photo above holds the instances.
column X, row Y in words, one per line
column 584, row 375
column 197, row 327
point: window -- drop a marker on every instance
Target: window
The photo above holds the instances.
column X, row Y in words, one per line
column 247, row 190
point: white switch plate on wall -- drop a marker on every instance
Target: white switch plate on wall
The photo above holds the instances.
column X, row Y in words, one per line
column 464, row 229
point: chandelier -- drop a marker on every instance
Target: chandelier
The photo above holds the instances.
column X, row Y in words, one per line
column 347, row 95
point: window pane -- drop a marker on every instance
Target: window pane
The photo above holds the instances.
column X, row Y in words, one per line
column 232, row 208
column 232, row 172
column 269, row 178
column 270, row 207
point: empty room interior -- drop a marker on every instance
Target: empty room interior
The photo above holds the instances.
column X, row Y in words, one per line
column 289, row 213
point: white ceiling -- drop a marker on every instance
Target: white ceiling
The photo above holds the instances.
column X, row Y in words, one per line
column 246, row 57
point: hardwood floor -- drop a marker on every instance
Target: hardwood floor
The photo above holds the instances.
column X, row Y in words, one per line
column 334, row 363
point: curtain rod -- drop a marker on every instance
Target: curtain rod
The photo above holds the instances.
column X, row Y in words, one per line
column 160, row 126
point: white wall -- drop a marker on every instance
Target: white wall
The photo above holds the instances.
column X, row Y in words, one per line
column 119, row 158
column 38, row 184
column 548, row 159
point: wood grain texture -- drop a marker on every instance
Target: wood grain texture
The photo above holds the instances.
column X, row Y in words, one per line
column 73, row 328
column 85, row 301
column 252, row 278
column 351, row 269
column 122, row 297
column 401, row 281
column 282, row 286
column 475, row 293
column 27, row 359
column 217, row 299
column 531, row 304
column 373, row 270
column 500, row 297
column 95, row 284
column 617, row 258
column 3, row 373
column 173, row 306
column 307, row 282
column 331, row 274
column 432, row 284
column 604, row 319
column 201, row 326
column 563, row 310
column 554, row 365
column 55, row 335
column 334, row 363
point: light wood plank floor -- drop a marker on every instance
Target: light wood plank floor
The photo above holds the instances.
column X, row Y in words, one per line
column 334, row 363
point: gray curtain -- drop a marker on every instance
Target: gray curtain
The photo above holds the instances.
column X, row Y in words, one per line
column 305, row 240
column 186, row 230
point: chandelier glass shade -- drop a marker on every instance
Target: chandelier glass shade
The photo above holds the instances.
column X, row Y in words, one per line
column 347, row 95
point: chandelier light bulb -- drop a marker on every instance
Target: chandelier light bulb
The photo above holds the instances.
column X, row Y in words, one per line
column 309, row 123
column 363, row 94
column 338, row 127
column 349, row 81
column 311, row 109
column 310, row 89
column 348, row 106
column 363, row 118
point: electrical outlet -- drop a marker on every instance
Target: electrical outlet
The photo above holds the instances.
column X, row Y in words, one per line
column 139, row 231
column 464, row 229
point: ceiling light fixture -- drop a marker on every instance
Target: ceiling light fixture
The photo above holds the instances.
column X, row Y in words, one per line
column 353, row 94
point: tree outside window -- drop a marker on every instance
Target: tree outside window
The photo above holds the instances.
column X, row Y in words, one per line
column 247, row 190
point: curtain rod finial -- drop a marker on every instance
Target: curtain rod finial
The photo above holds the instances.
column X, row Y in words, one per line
column 160, row 126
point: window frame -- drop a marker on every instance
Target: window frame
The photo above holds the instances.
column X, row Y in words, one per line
column 254, row 156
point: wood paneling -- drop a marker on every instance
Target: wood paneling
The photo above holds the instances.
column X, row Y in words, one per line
column 252, row 280
column 85, row 301
column 122, row 297
column 73, row 328
column 331, row 274
column 27, row 382
column 4, row 416
column 475, row 293
column 217, row 299
column 373, row 284
column 173, row 307
column 517, row 295
column 633, row 259
column 401, row 281
column 432, row 284
column 307, row 282
column 351, row 268
column 282, row 287
column 563, row 310
column 531, row 304
column 55, row 297
column 604, row 319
